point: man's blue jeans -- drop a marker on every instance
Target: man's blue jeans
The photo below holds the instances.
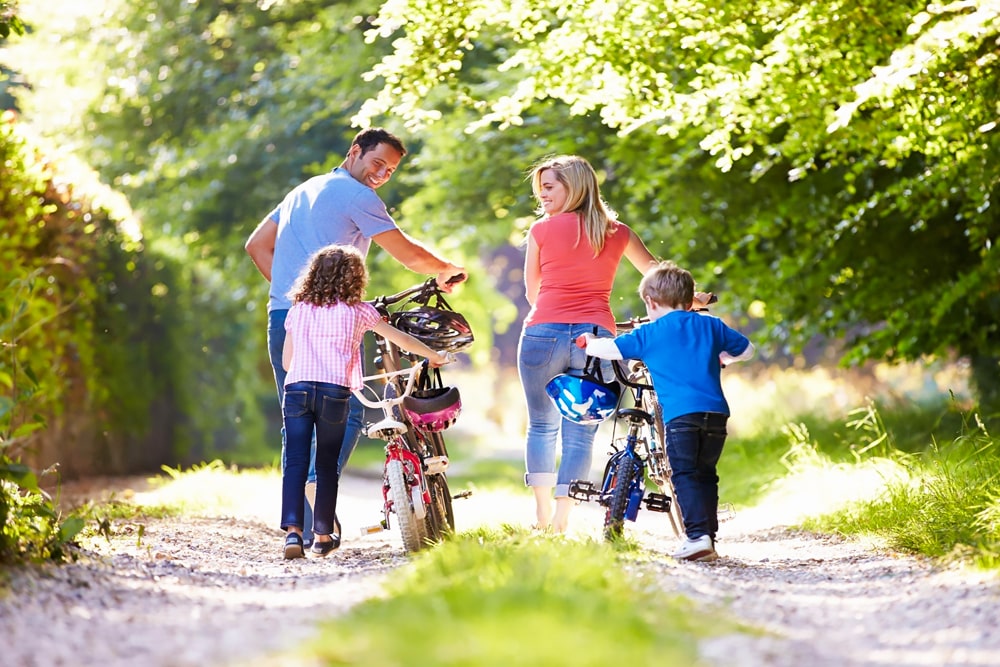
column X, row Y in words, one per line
column 694, row 445
column 544, row 351
column 355, row 419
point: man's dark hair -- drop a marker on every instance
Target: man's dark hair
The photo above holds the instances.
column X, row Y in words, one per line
column 373, row 136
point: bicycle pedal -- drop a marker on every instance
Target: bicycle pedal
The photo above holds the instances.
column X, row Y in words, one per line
column 658, row 502
column 371, row 530
column 461, row 494
column 583, row 490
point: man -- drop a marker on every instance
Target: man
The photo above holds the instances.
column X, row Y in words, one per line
column 338, row 207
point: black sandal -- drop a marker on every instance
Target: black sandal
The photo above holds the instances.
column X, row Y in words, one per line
column 293, row 546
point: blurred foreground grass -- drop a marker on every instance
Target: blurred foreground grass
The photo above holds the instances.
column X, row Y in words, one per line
column 495, row 598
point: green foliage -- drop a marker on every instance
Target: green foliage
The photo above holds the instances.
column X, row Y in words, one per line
column 123, row 337
column 487, row 587
column 829, row 165
column 31, row 529
column 206, row 113
column 9, row 21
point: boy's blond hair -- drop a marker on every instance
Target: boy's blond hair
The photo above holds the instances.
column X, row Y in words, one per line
column 668, row 285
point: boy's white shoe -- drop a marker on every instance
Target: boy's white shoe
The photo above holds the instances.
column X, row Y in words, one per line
column 700, row 549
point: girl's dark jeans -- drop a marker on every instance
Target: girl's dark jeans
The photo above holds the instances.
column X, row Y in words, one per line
column 694, row 445
column 322, row 406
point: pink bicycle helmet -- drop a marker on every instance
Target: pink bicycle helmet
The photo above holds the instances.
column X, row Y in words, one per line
column 432, row 406
column 435, row 411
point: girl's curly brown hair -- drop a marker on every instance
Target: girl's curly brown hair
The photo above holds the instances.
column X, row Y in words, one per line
column 336, row 274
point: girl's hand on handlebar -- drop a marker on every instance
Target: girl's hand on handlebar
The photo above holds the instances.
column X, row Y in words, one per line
column 440, row 359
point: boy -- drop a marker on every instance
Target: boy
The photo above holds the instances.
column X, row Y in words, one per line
column 684, row 352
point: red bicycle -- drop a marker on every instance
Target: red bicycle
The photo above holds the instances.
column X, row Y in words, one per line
column 416, row 408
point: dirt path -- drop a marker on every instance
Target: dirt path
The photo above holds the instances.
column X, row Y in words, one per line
column 215, row 591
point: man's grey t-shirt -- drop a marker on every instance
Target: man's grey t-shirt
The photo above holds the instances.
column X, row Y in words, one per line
column 331, row 208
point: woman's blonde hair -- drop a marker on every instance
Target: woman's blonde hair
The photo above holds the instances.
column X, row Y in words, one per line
column 583, row 196
column 335, row 274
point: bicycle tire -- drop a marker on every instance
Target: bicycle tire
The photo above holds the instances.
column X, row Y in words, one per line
column 437, row 524
column 438, row 448
column 662, row 475
column 410, row 528
column 614, row 519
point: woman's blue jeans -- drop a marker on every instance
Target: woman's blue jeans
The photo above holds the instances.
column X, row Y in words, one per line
column 544, row 351
column 320, row 409
column 355, row 420
column 694, row 445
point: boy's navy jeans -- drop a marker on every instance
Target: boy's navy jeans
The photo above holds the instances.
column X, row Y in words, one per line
column 694, row 445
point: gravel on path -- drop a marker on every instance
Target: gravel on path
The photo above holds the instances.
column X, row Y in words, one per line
column 215, row 590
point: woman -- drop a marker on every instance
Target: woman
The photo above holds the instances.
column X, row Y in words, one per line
column 573, row 253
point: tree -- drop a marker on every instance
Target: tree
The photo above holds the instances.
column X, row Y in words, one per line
column 9, row 21
column 831, row 162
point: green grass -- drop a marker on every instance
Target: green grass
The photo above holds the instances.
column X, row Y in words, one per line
column 498, row 598
column 948, row 507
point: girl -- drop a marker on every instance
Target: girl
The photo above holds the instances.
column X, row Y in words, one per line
column 324, row 330
column 573, row 253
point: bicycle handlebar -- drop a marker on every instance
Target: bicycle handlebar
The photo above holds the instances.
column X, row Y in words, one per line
column 626, row 380
column 427, row 288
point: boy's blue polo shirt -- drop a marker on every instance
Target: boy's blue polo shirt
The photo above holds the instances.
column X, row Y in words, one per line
column 681, row 351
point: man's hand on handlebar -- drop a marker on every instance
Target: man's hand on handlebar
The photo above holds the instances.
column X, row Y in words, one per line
column 446, row 280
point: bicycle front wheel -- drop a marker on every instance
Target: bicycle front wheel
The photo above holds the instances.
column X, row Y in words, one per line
column 410, row 527
column 614, row 519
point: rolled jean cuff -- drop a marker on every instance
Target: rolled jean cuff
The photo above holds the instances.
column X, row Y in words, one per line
column 562, row 491
column 540, row 479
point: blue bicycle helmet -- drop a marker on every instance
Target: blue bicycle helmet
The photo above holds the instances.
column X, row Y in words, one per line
column 585, row 399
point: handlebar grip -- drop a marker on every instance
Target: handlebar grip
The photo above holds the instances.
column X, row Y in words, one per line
column 581, row 341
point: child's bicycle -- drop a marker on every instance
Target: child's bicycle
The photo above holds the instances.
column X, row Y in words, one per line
column 642, row 449
column 416, row 408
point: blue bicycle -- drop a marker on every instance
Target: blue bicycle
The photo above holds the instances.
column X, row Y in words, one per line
column 642, row 449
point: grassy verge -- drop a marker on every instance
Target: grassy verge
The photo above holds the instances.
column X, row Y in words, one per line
column 497, row 598
column 947, row 506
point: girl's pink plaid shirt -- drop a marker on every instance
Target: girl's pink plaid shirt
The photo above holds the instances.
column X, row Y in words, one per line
column 326, row 342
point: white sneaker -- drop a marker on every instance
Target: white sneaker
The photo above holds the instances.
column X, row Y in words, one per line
column 700, row 549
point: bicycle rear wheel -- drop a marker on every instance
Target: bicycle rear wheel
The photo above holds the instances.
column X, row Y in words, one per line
column 621, row 483
column 411, row 528
column 437, row 522
column 438, row 448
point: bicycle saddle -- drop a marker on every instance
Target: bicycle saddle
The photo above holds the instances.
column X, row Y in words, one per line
column 385, row 428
